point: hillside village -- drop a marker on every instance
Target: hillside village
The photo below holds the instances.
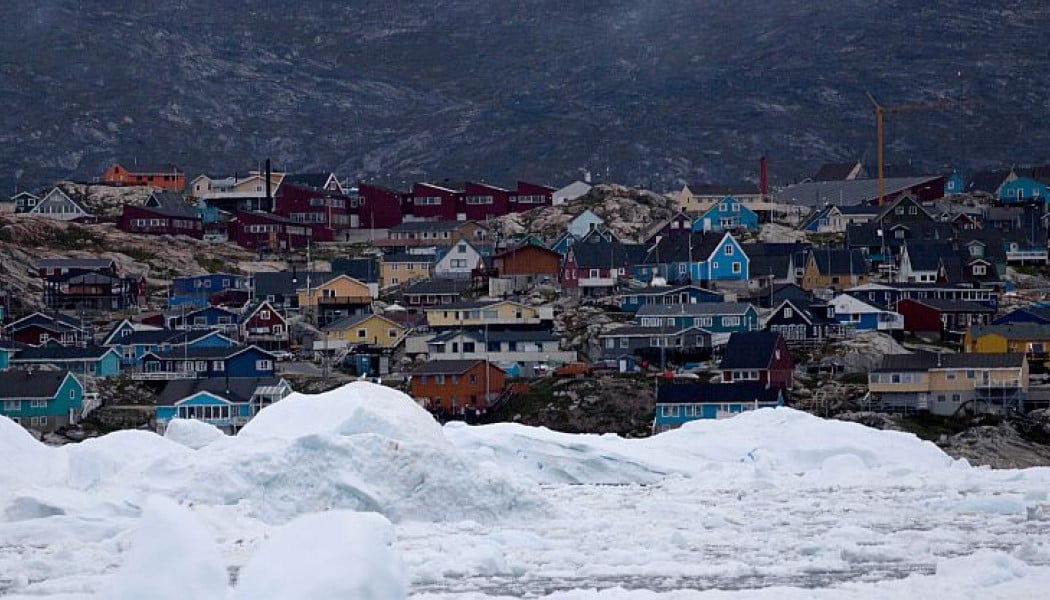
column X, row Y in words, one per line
column 912, row 301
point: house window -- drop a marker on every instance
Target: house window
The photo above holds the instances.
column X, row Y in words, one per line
column 473, row 378
column 730, row 321
column 788, row 313
column 263, row 365
column 623, row 342
column 728, row 250
column 979, row 270
column 200, row 366
column 468, row 346
column 899, row 234
column 38, row 421
column 362, row 334
column 391, row 333
column 736, row 267
column 264, row 315
column 595, row 273
column 899, row 210
column 912, row 210
column 439, row 379
column 669, row 411
column 43, row 403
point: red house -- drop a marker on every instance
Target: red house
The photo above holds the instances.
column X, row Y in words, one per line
column 263, row 231
column 482, row 201
column 529, row 196
column 166, row 176
column 326, row 213
column 949, row 319
column 431, row 201
column 378, row 207
column 159, row 221
column 761, row 356
column 265, row 327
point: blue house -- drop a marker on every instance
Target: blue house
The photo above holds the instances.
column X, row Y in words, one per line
column 727, row 215
column 132, row 342
column 96, row 361
column 5, row 356
column 697, row 257
column 680, row 403
column 723, row 317
column 209, row 317
column 819, row 221
column 206, row 362
column 954, row 183
column 43, row 400
column 198, row 289
column 677, row 294
column 1028, row 314
column 863, row 316
column 227, row 403
column 1023, row 190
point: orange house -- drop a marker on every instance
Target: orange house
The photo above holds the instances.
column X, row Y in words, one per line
column 452, row 385
column 528, row 260
column 168, row 176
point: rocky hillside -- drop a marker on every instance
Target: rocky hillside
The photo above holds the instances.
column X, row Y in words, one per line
column 25, row 239
column 648, row 93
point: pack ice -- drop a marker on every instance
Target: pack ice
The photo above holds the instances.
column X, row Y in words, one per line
column 358, row 493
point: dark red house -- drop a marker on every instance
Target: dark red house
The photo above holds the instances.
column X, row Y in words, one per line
column 326, row 213
column 761, row 356
column 265, row 327
column 263, row 231
column 482, row 201
column 158, row 221
column 379, row 207
column 529, row 196
column 949, row 319
column 431, row 201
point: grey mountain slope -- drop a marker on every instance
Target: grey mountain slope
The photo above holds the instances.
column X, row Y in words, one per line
column 656, row 91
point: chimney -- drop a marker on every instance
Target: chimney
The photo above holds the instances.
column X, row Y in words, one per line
column 763, row 176
column 269, row 191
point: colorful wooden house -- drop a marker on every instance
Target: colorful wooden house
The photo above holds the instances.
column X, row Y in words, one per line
column 761, row 356
column 862, row 316
column 948, row 319
column 401, row 268
column 374, row 331
column 728, row 214
column 673, row 294
column 695, row 258
column 213, row 288
column 227, row 403
column 58, row 205
column 264, row 326
column 92, row 361
column 166, row 176
column 680, row 403
column 206, row 362
column 41, row 400
column 717, row 318
column 802, row 324
column 454, row 385
column 39, row 329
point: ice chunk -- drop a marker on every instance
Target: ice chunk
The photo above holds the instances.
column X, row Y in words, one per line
column 172, row 557
column 192, row 433
column 326, row 555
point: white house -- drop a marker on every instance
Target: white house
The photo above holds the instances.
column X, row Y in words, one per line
column 865, row 317
column 59, row 206
column 584, row 223
column 458, row 262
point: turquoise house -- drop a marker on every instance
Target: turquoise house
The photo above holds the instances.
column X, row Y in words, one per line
column 697, row 257
column 1023, row 190
column 43, row 400
column 225, row 403
column 680, row 403
column 93, row 361
column 722, row 317
column 729, row 214
column 954, row 183
column 5, row 358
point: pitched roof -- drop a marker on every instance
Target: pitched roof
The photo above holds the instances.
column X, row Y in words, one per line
column 608, row 254
column 38, row 384
column 170, row 203
column 845, row 193
column 365, row 270
column 437, row 287
column 699, row 309
column 447, row 367
column 353, row 320
column 750, row 350
column 835, row 171
column 281, row 282
column 59, row 353
column 924, row 361
column 237, row 390
column 945, row 305
column 408, row 257
column 838, row 261
column 204, row 353
column 987, row 181
column 680, row 248
column 716, row 393
column 311, row 180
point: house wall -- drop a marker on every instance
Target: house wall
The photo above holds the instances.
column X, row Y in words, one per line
column 378, row 208
column 374, row 331
column 447, row 208
column 528, row 260
column 506, row 313
column 340, row 287
column 136, row 219
column 398, row 273
column 494, row 202
column 459, row 262
column 70, row 397
column 118, row 175
column 457, row 391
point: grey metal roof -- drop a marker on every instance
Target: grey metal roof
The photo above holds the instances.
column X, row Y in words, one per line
column 844, row 193
column 924, row 361
column 446, row 367
column 702, row 308
column 59, row 353
column 944, row 305
column 235, row 389
column 38, row 384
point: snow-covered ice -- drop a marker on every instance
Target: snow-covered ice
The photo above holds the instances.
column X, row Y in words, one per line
column 360, row 489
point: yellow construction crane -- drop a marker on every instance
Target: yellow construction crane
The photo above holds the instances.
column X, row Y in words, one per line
column 881, row 111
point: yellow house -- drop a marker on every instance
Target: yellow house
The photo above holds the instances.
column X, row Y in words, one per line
column 487, row 313
column 835, row 269
column 339, row 290
column 696, row 199
column 944, row 384
column 401, row 268
column 1030, row 339
column 372, row 330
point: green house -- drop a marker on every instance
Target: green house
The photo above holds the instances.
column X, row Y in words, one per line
column 41, row 400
